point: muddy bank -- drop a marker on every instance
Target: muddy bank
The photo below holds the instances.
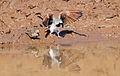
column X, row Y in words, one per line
column 100, row 19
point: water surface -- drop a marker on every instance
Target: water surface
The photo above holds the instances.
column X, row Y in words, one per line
column 100, row 58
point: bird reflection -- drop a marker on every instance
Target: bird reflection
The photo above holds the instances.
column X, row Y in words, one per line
column 52, row 57
column 34, row 51
column 62, row 58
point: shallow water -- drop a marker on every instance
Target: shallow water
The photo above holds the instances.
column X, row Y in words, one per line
column 100, row 58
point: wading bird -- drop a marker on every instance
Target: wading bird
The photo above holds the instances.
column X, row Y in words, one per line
column 63, row 19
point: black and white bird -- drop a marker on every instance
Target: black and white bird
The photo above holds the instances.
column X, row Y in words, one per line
column 64, row 18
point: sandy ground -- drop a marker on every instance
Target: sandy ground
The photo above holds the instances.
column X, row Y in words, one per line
column 100, row 20
column 97, row 54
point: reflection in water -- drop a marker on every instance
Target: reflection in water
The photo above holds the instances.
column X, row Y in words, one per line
column 84, row 59
column 62, row 58
column 54, row 54
column 52, row 57
column 34, row 51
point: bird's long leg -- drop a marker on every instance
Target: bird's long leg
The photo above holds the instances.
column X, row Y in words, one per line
column 51, row 35
column 58, row 33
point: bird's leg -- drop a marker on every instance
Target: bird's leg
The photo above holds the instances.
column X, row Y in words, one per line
column 58, row 33
column 51, row 35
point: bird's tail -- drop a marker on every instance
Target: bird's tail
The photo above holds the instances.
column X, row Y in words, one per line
column 79, row 33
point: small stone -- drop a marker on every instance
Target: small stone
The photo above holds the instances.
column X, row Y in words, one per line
column 98, row 0
column 2, row 43
column 33, row 34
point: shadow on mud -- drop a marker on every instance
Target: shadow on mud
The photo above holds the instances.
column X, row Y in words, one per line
column 63, row 33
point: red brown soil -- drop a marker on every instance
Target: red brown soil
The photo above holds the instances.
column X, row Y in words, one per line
column 100, row 20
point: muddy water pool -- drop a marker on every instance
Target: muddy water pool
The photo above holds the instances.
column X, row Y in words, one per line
column 99, row 58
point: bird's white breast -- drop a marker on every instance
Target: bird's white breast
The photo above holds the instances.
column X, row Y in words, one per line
column 53, row 25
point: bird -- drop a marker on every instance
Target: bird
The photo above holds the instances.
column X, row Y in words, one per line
column 33, row 34
column 63, row 19
column 53, row 56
